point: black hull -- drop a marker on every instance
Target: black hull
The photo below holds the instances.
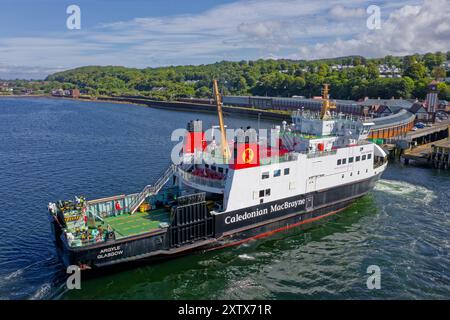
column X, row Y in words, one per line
column 220, row 230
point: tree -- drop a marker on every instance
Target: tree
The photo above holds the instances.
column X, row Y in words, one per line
column 323, row 70
column 372, row 71
column 438, row 73
column 429, row 61
column 242, row 85
column 443, row 91
column 415, row 71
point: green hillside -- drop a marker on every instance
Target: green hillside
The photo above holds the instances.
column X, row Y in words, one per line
column 266, row 77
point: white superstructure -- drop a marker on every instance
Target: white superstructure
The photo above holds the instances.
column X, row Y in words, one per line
column 315, row 152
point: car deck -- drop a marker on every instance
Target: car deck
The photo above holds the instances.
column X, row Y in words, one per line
column 126, row 225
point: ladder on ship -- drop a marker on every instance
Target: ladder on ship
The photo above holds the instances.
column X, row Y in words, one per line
column 152, row 189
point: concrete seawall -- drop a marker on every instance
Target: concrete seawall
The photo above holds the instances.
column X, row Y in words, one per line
column 194, row 107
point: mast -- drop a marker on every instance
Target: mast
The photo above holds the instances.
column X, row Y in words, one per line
column 326, row 105
column 224, row 143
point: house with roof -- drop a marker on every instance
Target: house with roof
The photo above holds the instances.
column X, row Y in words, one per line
column 384, row 107
column 419, row 110
column 385, row 110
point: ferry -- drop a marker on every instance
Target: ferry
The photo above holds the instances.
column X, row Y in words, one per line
column 226, row 192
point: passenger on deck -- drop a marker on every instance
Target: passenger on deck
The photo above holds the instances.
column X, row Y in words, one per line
column 70, row 237
column 118, row 208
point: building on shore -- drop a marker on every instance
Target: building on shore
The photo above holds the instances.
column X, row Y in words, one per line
column 420, row 111
column 71, row 93
column 291, row 104
column 432, row 100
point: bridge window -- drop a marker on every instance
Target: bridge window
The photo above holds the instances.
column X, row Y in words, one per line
column 369, row 156
column 344, row 161
column 265, row 175
column 350, row 160
column 358, row 158
column 286, row 171
column 267, row 192
column 364, row 157
column 339, row 162
column 261, row 193
column 277, row 173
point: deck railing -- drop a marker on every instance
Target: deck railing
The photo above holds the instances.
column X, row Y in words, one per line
column 321, row 153
column 189, row 177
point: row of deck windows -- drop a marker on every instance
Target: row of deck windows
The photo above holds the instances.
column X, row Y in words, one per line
column 276, row 173
column 356, row 159
column 218, row 169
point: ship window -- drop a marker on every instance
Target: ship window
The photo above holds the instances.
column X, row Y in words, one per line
column 358, row 158
column 213, row 168
column 363, row 157
column 342, row 176
column 206, row 165
column 286, row 171
column 221, row 170
column 358, row 172
column 344, row 161
column 339, row 162
column 277, row 173
column 350, row 160
column 267, row 192
column 265, row 175
column 261, row 193
column 261, row 200
column 369, row 156
column 367, row 170
column 351, row 174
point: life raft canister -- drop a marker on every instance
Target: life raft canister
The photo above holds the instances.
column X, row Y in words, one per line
column 118, row 207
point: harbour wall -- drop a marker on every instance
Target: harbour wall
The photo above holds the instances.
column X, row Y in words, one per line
column 196, row 107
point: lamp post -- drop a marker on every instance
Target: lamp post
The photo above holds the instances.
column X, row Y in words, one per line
column 259, row 117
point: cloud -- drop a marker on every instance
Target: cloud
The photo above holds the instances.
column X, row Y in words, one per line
column 256, row 29
column 410, row 29
column 26, row 72
column 245, row 29
column 341, row 12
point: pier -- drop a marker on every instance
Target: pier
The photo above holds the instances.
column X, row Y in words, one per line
column 421, row 147
column 429, row 134
column 434, row 154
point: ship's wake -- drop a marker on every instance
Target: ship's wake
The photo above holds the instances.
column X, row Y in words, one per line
column 29, row 282
column 401, row 188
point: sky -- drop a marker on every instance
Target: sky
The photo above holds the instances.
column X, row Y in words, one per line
column 35, row 40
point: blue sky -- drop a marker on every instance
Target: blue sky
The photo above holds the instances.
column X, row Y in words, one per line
column 34, row 40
